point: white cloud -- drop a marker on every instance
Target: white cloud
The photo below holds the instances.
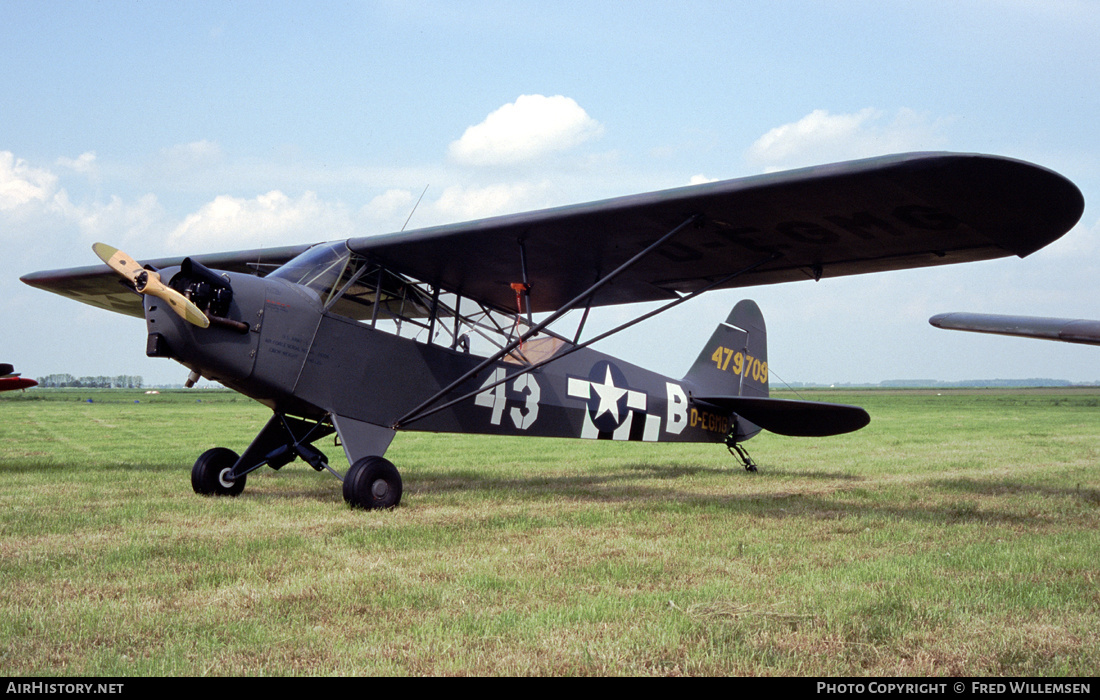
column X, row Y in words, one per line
column 521, row 131
column 203, row 150
column 268, row 219
column 701, row 180
column 116, row 221
column 41, row 212
column 387, row 207
column 84, row 163
column 460, row 203
column 20, row 184
column 186, row 157
column 821, row 137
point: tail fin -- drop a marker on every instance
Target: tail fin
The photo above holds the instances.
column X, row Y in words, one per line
column 731, row 374
column 734, row 362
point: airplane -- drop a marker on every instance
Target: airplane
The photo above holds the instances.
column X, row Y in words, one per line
column 473, row 327
column 10, row 381
column 1067, row 330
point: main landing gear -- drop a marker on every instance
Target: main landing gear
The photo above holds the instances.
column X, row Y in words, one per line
column 371, row 482
column 209, row 476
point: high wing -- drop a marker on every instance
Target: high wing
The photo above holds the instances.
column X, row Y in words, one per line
column 1063, row 329
column 887, row 213
column 100, row 286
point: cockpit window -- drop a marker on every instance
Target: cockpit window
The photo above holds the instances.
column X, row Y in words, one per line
column 358, row 287
column 345, row 285
column 321, row 268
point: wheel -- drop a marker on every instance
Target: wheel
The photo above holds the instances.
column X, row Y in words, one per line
column 208, row 474
column 372, row 482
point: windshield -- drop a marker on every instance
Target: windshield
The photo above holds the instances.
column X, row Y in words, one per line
column 320, row 268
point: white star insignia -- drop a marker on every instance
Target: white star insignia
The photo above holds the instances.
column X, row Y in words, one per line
column 609, row 396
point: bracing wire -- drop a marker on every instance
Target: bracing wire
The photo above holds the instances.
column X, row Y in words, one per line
column 771, row 371
column 414, row 207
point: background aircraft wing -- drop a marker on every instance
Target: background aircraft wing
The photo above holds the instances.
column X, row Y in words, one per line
column 101, row 286
column 1064, row 329
column 886, row 213
column 10, row 379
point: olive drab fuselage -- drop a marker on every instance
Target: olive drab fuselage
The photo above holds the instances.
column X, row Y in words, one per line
column 299, row 359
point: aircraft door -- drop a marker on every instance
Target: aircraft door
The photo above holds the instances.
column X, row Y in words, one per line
column 291, row 315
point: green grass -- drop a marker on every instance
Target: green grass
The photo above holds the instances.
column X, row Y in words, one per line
column 955, row 535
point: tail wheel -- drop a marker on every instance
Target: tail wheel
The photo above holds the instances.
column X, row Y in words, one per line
column 208, row 476
column 372, row 482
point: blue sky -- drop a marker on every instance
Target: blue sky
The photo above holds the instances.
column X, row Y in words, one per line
column 175, row 128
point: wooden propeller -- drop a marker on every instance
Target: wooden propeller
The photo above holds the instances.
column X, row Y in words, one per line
column 148, row 282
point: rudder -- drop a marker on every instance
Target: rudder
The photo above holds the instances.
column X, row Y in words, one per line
column 734, row 362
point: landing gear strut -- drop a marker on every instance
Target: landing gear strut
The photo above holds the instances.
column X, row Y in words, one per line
column 220, row 472
column 742, row 454
column 372, row 482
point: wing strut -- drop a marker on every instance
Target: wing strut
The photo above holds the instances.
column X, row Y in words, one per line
column 550, row 319
column 422, row 410
column 526, row 285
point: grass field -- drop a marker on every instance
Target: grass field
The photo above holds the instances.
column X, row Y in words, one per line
column 958, row 534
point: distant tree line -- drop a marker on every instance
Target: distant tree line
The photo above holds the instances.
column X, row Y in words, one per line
column 975, row 383
column 123, row 381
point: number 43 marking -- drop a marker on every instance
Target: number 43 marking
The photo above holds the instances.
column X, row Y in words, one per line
column 496, row 398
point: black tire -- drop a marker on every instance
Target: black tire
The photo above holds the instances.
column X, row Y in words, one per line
column 208, row 474
column 371, row 483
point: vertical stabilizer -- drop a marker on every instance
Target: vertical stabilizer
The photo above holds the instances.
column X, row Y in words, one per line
column 734, row 362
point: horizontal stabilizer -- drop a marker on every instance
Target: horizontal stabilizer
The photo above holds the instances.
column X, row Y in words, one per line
column 793, row 418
